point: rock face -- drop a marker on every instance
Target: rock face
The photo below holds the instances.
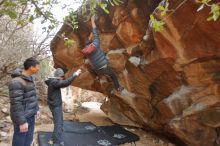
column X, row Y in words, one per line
column 172, row 78
column 5, row 121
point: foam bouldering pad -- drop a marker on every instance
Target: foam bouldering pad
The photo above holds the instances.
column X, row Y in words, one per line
column 74, row 139
column 118, row 134
column 78, row 127
column 88, row 134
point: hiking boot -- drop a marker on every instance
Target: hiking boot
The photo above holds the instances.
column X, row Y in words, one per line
column 116, row 91
column 123, row 93
column 126, row 93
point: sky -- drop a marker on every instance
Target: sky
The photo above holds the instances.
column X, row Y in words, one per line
column 59, row 14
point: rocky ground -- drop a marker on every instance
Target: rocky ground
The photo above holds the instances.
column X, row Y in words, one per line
column 88, row 111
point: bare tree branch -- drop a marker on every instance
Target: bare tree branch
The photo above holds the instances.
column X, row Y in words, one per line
column 17, row 25
column 2, row 1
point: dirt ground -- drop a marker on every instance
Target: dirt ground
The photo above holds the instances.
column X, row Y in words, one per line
column 88, row 111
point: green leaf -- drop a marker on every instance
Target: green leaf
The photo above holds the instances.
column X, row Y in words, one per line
column 2, row 12
column 106, row 11
column 163, row 13
column 11, row 14
column 215, row 17
column 31, row 18
column 203, row 1
column 104, row 7
column 210, row 18
column 9, row 4
column 69, row 42
column 115, row 2
column 215, row 8
column 152, row 18
column 21, row 22
column 157, row 25
column 23, row 2
column 83, row 10
column 215, row 11
column 161, row 8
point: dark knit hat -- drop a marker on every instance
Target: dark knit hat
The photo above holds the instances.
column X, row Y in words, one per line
column 59, row 72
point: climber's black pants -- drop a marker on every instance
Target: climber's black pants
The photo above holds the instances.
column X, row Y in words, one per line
column 109, row 72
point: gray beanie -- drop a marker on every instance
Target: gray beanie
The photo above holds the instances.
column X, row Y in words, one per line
column 59, row 72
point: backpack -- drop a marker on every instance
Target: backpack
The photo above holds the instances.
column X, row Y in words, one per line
column 88, row 49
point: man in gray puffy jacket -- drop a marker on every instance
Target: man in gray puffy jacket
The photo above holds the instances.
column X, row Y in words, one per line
column 23, row 103
column 55, row 103
column 97, row 58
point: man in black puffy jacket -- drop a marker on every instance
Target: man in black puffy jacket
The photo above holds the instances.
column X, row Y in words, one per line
column 97, row 58
column 23, row 103
column 55, row 103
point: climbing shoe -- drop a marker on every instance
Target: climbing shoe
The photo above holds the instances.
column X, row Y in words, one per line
column 120, row 89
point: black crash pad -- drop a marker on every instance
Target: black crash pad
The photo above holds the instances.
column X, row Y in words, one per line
column 74, row 139
column 118, row 134
column 78, row 127
column 87, row 134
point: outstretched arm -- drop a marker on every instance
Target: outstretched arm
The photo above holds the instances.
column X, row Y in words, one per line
column 93, row 21
column 63, row 83
column 67, row 82
column 96, row 40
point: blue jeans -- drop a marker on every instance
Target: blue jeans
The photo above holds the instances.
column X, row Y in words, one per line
column 26, row 138
column 57, row 113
